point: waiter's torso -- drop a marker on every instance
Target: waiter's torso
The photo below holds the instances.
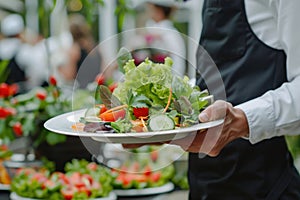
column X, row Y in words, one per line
column 248, row 69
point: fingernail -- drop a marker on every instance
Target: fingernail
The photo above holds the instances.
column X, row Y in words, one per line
column 203, row 117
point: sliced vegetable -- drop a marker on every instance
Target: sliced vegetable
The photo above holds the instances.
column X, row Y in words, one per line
column 141, row 112
column 113, row 116
column 161, row 122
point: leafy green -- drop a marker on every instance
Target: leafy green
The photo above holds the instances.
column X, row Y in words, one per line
column 121, row 126
column 123, row 57
column 150, row 79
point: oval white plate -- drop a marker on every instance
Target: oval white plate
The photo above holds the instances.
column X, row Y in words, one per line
column 146, row 191
column 4, row 187
column 62, row 124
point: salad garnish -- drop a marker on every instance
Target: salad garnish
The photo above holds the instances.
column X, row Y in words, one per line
column 150, row 98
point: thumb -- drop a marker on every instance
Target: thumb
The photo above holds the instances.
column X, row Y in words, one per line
column 203, row 117
column 213, row 112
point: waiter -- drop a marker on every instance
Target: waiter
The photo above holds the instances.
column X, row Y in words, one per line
column 254, row 44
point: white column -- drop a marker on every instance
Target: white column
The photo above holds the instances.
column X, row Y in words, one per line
column 195, row 27
column 108, row 31
column 32, row 18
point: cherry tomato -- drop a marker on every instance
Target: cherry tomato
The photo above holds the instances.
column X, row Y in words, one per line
column 85, row 190
column 113, row 116
column 39, row 177
column 49, row 185
column 141, row 112
column 154, row 156
column 41, row 95
column 147, row 171
column 18, row 129
column 102, row 108
column 92, row 166
column 76, row 179
column 86, row 178
column 155, row 176
column 68, row 192
column 140, row 178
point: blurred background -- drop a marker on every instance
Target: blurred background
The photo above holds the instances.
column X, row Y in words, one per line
column 53, row 55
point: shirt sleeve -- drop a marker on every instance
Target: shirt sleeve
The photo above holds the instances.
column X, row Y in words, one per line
column 277, row 112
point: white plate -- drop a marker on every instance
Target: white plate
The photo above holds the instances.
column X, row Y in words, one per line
column 14, row 196
column 4, row 187
column 62, row 124
column 146, row 191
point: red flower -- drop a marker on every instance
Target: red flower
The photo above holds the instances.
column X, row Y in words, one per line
column 7, row 91
column 41, row 95
column 52, row 81
column 100, row 79
column 4, row 113
column 17, row 128
column 4, row 90
column 11, row 111
column 13, row 89
column 113, row 86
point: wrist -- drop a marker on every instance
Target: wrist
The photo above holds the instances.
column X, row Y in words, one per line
column 242, row 123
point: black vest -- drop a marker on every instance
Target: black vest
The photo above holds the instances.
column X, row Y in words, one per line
column 248, row 68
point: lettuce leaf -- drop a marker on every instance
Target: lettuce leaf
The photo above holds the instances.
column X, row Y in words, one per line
column 150, row 79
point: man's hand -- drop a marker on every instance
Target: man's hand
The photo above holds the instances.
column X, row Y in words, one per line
column 213, row 140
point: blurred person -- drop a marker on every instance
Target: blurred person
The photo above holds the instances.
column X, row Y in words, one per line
column 89, row 62
column 163, row 34
column 12, row 27
column 27, row 59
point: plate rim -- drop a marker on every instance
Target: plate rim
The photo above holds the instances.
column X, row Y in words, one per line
column 4, row 187
column 168, row 187
column 196, row 127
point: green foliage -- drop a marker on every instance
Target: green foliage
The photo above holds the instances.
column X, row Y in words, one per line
column 3, row 71
column 31, row 111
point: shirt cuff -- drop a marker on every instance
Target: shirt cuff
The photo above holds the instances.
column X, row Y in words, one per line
column 260, row 117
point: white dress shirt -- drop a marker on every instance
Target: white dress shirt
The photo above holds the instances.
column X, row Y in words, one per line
column 277, row 112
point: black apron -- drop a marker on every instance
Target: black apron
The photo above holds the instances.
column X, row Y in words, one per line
column 248, row 69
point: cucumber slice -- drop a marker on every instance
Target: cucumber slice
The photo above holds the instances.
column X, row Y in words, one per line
column 161, row 122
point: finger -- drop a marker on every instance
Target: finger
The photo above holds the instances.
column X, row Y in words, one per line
column 215, row 111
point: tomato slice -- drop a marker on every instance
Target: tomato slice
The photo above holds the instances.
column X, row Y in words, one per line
column 141, row 112
column 102, row 108
column 68, row 192
column 113, row 116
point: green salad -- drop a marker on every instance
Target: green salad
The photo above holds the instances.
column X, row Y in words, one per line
column 150, row 98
